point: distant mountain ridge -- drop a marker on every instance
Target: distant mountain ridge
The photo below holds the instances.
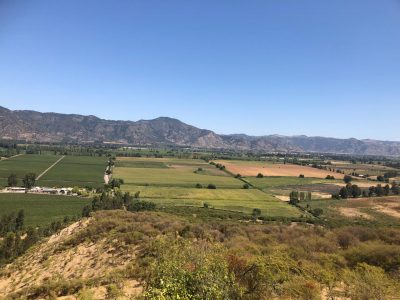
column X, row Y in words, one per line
column 55, row 127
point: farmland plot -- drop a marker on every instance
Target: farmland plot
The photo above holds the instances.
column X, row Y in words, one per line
column 246, row 168
column 76, row 171
column 23, row 164
column 173, row 183
column 42, row 209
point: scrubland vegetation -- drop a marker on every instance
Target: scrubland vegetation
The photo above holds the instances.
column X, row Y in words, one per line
column 175, row 257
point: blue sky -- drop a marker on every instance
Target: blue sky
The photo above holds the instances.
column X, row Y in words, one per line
column 329, row 68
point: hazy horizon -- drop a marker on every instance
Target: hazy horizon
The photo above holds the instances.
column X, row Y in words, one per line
column 259, row 68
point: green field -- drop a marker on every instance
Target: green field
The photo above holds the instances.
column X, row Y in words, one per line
column 172, row 173
column 193, row 193
column 272, row 181
column 174, row 184
column 173, row 177
column 42, row 209
column 76, row 171
column 27, row 163
column 70, row 171
column 141, row 164
column 228, row 199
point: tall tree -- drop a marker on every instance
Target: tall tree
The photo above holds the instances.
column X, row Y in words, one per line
column 19, row 221
column 12, row 180
column 347, row 178
column 343, row 193
column 29, row 180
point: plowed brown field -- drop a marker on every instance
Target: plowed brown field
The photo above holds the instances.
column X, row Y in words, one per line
column 253, row 168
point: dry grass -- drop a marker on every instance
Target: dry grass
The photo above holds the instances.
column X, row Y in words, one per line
column 352, row 212
column 386, row 205
column 267, row 169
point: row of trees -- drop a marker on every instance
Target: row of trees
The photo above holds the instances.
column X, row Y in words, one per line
column 353, row 191
column 118, row 200
column 210, row 186
column 218, row 165
column 28, row 181
column 295, row 197
column 17, row 240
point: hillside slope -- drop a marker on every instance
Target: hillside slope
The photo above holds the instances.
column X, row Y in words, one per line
column 54, row 127
column 155, row 255
column 81, row 255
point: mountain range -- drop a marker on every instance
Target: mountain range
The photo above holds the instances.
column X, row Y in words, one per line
column 33, row 126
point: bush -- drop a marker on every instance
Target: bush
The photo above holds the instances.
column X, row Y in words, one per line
column 141, row 205
column 113, row 291
column 211, row 186
column 317, row 212
column 301, row 288
column 256, row 213
column 347, row 178
column 259, row 175
column 188, row 270
column 246, row 186
column 368, row 282
column 377, row 254
column 301, row 176
column 199, row 186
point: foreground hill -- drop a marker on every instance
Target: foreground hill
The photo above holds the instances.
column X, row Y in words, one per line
column 155, row 255
column 54, row 127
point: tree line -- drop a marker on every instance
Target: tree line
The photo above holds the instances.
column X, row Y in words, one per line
column 28, row 181
column 118, row 200
column 353, row 191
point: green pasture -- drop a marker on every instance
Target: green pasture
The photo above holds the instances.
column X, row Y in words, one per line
column 178, row 177
column 269, row 207
column 282, row 181
column 76, row 171
column 42, row 209
column 26, row 163
column 196, row 194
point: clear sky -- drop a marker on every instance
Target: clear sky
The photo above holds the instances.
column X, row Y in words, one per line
column 329, row 68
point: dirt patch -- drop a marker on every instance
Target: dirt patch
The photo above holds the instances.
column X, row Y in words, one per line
column 391, row 209
column 67, row 232
column 386, row 205
column 352, row 212
column 277, row 170
column 282, row 198
column 321, row 196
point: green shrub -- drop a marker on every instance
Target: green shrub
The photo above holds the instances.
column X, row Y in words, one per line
column 141, row 205
column 186, row 270
column 377, row 254
column 369, row 282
